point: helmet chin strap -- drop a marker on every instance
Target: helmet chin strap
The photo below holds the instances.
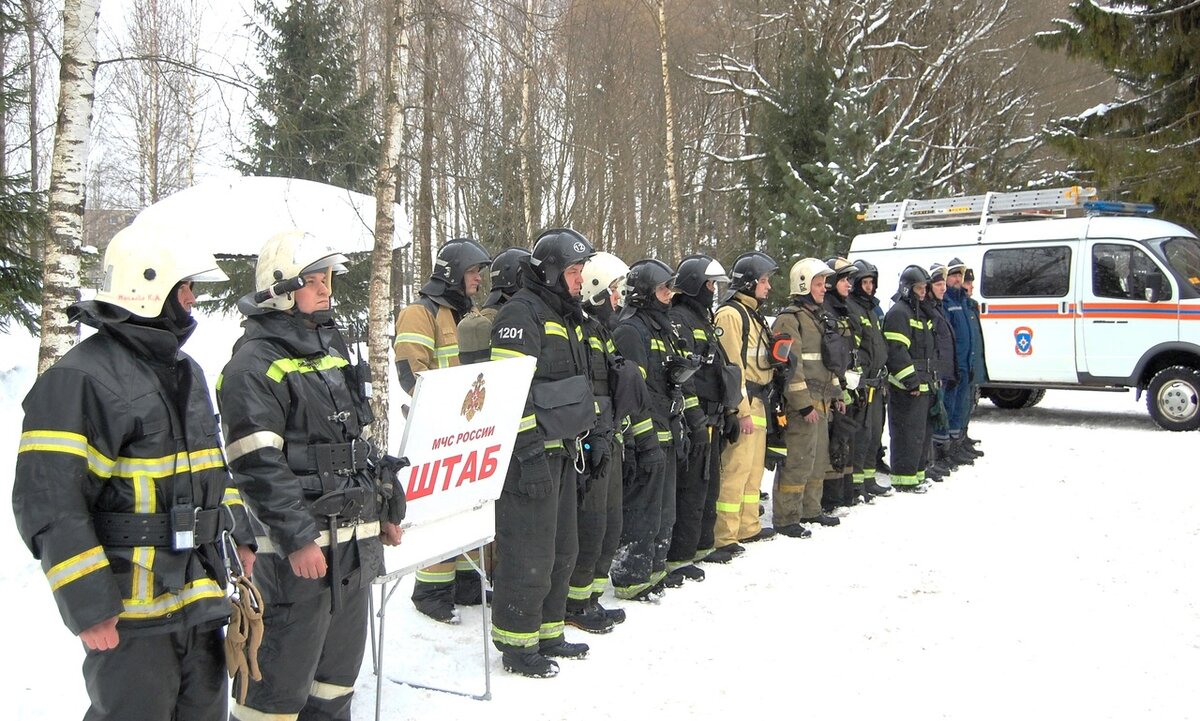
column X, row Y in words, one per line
column 320, row 317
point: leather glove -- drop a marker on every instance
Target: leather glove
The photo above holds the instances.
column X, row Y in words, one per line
column 650, row 461
column 535, row 479
column 731, row 431
column 391, row 490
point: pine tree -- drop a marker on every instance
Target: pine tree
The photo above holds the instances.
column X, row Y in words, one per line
column 22, row 211
column 1146, row 145
column 311, row 122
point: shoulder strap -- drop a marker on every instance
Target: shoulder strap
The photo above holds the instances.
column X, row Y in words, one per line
column 745, row 314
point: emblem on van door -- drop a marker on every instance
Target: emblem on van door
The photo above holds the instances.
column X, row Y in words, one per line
column 1024, row 338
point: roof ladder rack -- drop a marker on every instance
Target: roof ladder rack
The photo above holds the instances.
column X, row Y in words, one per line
column 907, row 213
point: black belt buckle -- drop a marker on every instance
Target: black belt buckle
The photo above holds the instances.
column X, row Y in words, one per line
column 183, row 527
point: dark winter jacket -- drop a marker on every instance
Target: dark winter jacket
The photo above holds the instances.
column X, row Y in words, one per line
column 979, row 369
column 911, row 352
column 293, row 413
column 872, row 352
column 698, row 335
column 958, row 313
column 943, row 339
column 538, row 322
column 123, row 424
column 645, row 337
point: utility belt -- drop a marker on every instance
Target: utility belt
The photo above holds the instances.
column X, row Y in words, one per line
column 879, row 380
column 341, row 459
column 183, row 528
column 345, row 533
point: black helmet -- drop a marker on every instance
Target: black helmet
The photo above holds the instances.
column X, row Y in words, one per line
column 748, row 268
column 842, row 268
column 955, row 266
column 866, row 269
column 556, row 249
column 506, row 273
column 695, row 271
column 937, row 271
column 455, row 258
column 645, row 276
column 910, row 276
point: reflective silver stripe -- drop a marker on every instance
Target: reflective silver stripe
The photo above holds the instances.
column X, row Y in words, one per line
column 76, row 567
column 169, row 602
column 245, row 713
column 810, row 356
column 798, row 386
column 329, row 691
column 344, row 534
column 253, row 442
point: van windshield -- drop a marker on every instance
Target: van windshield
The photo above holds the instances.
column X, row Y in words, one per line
column 1183, row 254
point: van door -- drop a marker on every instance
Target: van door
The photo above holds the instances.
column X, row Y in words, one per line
column 1026, row 309
column 1117, row 324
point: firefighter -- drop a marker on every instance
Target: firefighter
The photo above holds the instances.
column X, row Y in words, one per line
column 873, row 385
column 536, row 537
column 708, row 409
column 475, row 329
column 958, row 398
column 120, row 435
column 942, row 461
column 293, row 408
column 812, row 394
column 839, row 492
column 979, row 369
column 746, row 338
column 644, row 336
column 427, row 338
column 908, row 331
column 599, row 514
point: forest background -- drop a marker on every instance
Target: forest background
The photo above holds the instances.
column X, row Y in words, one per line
column 657, row 128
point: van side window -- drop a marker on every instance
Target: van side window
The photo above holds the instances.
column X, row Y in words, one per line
column 1043, row 272
column 1123, row 272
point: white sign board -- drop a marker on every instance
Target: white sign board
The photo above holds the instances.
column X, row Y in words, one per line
column 458, row 438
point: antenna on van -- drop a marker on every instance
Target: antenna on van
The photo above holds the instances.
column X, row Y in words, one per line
column 987, row 207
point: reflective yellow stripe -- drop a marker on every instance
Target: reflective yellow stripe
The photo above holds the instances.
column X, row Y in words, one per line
column 245, row 713
column 232, row 498
column 729, row 507
column 503, row 353
column 699, row 334
column 558, row 329
column 665, row 437
column 142, row 580
column 751, row 498
column 447, row 355
column 898, row 337
column 76, row 567
column 778, row 450
column 280, row 368
column 552, row 445
column 658, row 345
column 599, row 585
column 643, row 427
column 759, row 421
column 608, row 345
column 77, row 445
column 628, row 592
column 528, row 423
column 197, row 590
column 438, row 577
column 254, row 442
column 916, row 323
column 596, row 344
column 579, row 593
column 514, row 638
column 691, row 402
column 554, row 629
column 416, row 339
column 643, row 370
column 579, row 333
column 905, row 372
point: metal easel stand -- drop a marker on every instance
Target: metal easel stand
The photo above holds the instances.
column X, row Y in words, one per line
column 386, row 588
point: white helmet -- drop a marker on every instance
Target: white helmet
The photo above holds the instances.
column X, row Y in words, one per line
column 804, row 273
column 143, row 263
column 291, row 254
column 599, row 273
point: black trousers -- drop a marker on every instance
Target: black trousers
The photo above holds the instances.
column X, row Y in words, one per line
column 869, row 437
column 691, row 491
column 911, row 435
column 641, row 514
column 536, row 546
column 599, row 520
column 310, row 657
column 666, row 518
column 708, row 516
column 178, row 675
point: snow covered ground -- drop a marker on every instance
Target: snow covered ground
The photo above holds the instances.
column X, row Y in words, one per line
column 1056, row 578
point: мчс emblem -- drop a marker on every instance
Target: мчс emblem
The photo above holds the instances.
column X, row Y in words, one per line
column 1024, row 340
column 473, row 402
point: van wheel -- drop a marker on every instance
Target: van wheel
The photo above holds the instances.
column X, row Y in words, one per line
column 1015, row 398
column 1172, row 398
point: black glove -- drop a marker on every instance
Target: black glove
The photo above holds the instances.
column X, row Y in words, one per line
column 732, row 430
column 391, row 491
column 535, row 479
column 598, row 457
column 650, row 461
column 950, row 383
column 683, row 445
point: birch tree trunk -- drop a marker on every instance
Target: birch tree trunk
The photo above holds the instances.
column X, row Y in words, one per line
column 526, row 142
column 60, row 277
column 379, row 311
column 31, row 31
column 423, row 253
column 676, row 243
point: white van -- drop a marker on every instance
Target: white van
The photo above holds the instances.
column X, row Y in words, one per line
column 1097, row 302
